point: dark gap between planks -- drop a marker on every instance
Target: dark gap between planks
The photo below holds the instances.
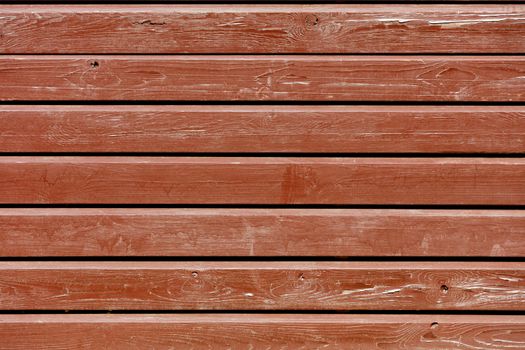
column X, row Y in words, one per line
column 268, row 312
column 220, row 258
column 268, row 206
column 257, row 103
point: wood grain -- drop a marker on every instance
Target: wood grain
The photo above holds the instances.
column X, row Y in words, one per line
column 262, row 286
column 267, row 180
column 338, row 53
column 260, row 232
column 217, row 128
column 263, row 78
column 173, row 29
column 256, row 331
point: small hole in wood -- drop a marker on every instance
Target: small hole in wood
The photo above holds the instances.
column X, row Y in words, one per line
column 94, row 64
column 444, row 289
column 194, row 274
column 301, row 277
column 434, row 325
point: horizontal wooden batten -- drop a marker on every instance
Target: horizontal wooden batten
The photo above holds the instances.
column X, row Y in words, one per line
column 333, row 28
column 258, row 331
column 216, row 128
column 261, row 286
column 263, row 78
column 261, row 232
column 237, row 180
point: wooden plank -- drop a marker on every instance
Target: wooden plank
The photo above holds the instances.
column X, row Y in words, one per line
column 238, row 180
column 257, row 331
column 261, row 232
column 264, row 78
column 336, row 129
column 262, row 285
column 332, row 28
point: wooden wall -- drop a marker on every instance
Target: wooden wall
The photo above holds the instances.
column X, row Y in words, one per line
column 331, row 175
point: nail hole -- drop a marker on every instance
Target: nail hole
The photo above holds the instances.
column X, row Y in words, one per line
column 194, row 274
column 434, row 325
column 444, row 289
column 301, row 277
column 94, row 64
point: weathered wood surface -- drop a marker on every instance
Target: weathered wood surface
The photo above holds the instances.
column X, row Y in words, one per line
column 262, row 286
column 257, row 331
column 337, row 129
column 264, row 78
column 165, row 54
column 261, row 232
column 235, row 180
column 331, row 28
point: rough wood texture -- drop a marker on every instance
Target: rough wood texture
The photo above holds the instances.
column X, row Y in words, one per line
column 272, row 332
column 351, row 129
column 222, row 180
column 262, row 286
column 265, row 78
column 389, row 58
column 173, row 29
column 261, row 232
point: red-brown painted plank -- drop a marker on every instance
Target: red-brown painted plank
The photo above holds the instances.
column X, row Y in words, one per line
column 261, row 232
column 238, row 180
column 262, row 286
column 217, row 128
column 332, row 28
column 264, row 78
column 257, row 331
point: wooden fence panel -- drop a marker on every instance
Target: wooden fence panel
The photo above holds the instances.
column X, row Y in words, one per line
column 252, row 128
column 231, row 176
column 262, row 78
column 329, row 28
column 261, row 232
column 262, row 286
column 221, row 180
column 254, row 331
